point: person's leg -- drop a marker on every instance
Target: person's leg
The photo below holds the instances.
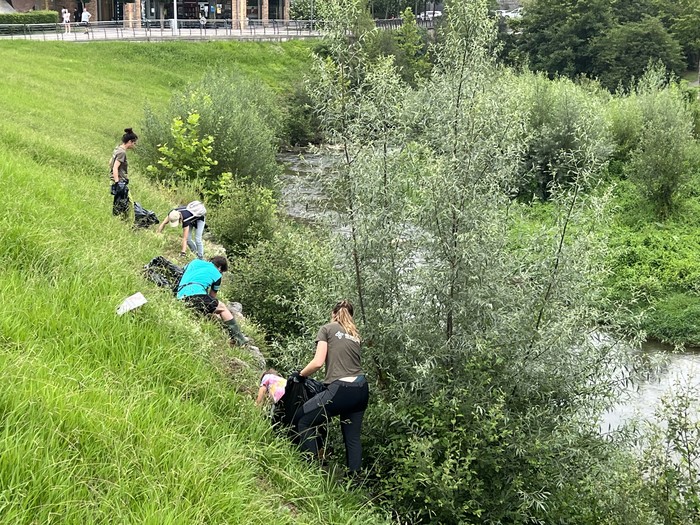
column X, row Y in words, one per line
column 351, row 426
column 314, row 414
column 234, row 331
column 199, row 231
column 190, row 242
column 352, row 402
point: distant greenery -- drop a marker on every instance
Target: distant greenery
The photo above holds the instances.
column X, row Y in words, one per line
column 612, row 40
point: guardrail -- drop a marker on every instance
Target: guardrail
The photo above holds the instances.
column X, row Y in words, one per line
column 163, row 30
column 184, row 29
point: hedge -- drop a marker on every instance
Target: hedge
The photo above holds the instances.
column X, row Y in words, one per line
column 32, row 17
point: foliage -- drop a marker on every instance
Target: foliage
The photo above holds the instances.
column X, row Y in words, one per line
column 407, row 45
column 566, row 126
column 557, row 37
column 240, row 115
column 301, row 125
column 684, row 23
column 665, row 158
column 671, row 456
column 185, row 157
column 612, row 40
column 245, row 216
column 272, row 277
column 412, row 53
column 624, row 52
column 675, row 318
column 31, row 17
column 486, row 381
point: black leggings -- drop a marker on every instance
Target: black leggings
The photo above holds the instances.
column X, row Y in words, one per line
column 347, row 400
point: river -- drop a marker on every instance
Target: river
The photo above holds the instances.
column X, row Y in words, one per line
column 304, row 200
column 643, row 398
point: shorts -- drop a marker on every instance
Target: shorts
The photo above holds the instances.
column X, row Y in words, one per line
column 203, row 303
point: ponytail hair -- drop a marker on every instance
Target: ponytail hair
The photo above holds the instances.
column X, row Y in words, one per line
column 342, row 314
column 129, row 135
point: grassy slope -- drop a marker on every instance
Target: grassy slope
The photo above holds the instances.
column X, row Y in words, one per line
column 131, row 419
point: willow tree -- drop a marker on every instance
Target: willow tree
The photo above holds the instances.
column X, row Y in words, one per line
column 477, row 321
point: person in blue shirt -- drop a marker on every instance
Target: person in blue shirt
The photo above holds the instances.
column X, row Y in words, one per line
column 198, row 288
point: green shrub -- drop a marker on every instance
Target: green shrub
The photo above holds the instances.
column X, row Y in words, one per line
column 245, row 217
column 566, row 128
column 270, row 281
column 301, row 123
column 240, row 114
column 32, row 17
column 675, row 319
column 665, row 159
column 185, row 157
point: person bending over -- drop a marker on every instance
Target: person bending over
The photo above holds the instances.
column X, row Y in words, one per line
column 198, row 288
column 192, row 223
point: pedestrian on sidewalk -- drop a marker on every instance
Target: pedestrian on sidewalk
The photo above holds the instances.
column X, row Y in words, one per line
column 85, row 18
column 65, row 15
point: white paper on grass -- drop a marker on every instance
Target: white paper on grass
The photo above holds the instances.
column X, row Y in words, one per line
column 131, row 303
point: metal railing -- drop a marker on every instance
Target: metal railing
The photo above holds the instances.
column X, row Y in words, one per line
column 163, row 30
column 148, row 30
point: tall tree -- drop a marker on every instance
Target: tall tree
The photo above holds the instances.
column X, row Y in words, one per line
column 624, row 52
column 476, row 329
column 557, row 36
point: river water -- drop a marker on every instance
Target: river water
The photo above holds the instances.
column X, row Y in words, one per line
column 678, row 369
column 304, row 200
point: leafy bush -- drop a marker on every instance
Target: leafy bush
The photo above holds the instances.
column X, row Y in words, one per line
column 666, row 156
column 622, row 53
column 185, row 158
column 301, row 124
column 244, row 217
column 241, row 115
column 675, row 319
column 31, row 17
column 566, row 128
column 271, row 280
column 671, row 458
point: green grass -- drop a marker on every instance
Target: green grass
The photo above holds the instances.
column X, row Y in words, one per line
column 144, row 418
column 690, row 76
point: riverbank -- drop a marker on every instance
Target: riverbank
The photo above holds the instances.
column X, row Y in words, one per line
column 129, row 419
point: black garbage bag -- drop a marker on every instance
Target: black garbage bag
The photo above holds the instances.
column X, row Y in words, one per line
column 164, row 273
column 288, row 409
column 144, row 218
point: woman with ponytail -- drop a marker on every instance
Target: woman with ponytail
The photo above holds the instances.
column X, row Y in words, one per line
column 346, row 394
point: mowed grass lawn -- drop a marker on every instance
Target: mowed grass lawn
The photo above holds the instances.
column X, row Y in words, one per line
column 144, row 418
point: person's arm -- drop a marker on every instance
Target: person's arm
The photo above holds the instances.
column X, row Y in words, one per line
column 214, row 288
column 115, row 170
column 318, row 361
column 261, row 395
column 162, row 225
column 185, row 232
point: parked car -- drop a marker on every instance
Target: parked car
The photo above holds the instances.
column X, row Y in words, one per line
column 429, row 15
